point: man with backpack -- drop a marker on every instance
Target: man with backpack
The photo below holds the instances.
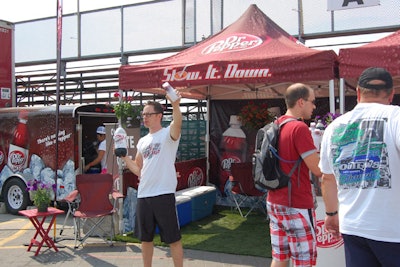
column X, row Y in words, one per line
column 291, row 208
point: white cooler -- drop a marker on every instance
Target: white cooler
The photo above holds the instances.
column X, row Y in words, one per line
column 330, row 250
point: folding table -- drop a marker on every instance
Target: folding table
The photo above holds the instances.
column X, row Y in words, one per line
column 34, row 216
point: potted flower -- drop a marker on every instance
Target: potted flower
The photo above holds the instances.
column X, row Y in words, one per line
column 41, row 194
column 128, row 114
column 326, row 119
column 255, row 116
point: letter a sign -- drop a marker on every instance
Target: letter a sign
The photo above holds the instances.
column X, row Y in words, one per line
column 346, row 4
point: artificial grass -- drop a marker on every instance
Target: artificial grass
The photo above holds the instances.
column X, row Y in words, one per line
column 224, row 231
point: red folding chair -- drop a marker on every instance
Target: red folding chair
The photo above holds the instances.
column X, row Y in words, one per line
column 98, row 201
column 244, row 192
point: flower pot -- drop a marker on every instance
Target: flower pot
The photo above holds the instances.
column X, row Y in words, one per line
column 42, row 207
column 131, row 123
column 135, row 124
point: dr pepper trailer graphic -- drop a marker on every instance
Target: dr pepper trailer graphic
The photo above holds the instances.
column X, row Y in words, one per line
column 28, row 144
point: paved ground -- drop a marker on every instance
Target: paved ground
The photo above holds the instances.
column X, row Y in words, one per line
column 16, row 232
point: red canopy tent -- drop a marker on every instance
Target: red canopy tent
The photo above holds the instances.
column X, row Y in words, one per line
column 253, row 58
column 383, row 53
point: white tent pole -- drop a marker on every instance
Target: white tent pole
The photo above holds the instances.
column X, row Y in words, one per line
column 121, row 225
column 331, row 96
column 342, row 99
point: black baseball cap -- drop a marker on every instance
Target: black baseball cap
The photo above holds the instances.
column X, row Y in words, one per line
column 374, row 73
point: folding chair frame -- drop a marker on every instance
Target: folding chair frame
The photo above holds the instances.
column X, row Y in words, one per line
column 93, row 217
column 72, row 201
column 93, row 226
column 241, row 198
column 241, row 172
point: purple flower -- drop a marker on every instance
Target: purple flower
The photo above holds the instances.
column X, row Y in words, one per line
column 327, row 118
column 40, row 191
column 35, row 185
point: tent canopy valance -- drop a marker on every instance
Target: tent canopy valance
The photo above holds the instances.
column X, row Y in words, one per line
column 253, row 58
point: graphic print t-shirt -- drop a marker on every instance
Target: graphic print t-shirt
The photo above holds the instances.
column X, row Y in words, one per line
column 362, row 149
column 158, row 175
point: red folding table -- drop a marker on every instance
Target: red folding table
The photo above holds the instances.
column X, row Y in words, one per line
column 34, row 216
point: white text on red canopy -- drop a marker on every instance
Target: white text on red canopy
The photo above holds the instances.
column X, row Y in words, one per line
column 232, row 71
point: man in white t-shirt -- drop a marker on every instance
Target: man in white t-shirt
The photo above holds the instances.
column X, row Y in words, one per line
column 154, row 165
column 101, row 151
column 360, row 162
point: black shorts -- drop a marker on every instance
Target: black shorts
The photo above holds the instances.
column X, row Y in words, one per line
column 160, row 211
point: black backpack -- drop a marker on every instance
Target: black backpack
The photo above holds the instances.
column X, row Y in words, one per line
column 267, row 173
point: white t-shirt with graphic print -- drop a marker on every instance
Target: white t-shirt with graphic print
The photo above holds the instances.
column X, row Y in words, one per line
column 362, row 149
column 158, row 174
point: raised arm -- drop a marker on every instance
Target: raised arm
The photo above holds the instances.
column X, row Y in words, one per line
column 176, row 124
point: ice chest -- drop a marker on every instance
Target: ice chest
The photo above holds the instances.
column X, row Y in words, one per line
column 183, row 209
column 202, row 200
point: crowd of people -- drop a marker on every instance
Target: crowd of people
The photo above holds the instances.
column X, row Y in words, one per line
column 357, row 164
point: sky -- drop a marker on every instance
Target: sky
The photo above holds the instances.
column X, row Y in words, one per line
column 25, row 10
column 21, row 10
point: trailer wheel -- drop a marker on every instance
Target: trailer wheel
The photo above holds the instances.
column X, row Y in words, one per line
column 16, row 196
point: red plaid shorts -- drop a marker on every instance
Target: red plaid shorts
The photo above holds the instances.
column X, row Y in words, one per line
column 292, row 234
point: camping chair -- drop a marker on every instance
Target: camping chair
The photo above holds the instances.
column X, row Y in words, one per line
column 72, row 200
column 244, row 192
column 95, row 206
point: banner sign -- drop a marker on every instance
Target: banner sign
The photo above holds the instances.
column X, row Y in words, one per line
column 7, row 93
column 347, row 4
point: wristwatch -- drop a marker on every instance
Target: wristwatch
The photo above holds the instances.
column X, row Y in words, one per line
column 331, row 213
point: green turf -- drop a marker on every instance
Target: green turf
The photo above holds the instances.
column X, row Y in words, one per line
column 224, row 231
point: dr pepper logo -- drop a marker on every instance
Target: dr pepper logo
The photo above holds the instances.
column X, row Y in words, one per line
column 17, row 159
column 227, row 162
column 195, row 177
column 232, row 43
column 326, row 239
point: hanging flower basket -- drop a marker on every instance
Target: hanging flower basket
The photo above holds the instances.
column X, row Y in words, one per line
column 126, row 112
column 255, row 116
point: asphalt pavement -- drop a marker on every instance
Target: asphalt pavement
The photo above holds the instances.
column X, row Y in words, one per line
column 17, row 231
